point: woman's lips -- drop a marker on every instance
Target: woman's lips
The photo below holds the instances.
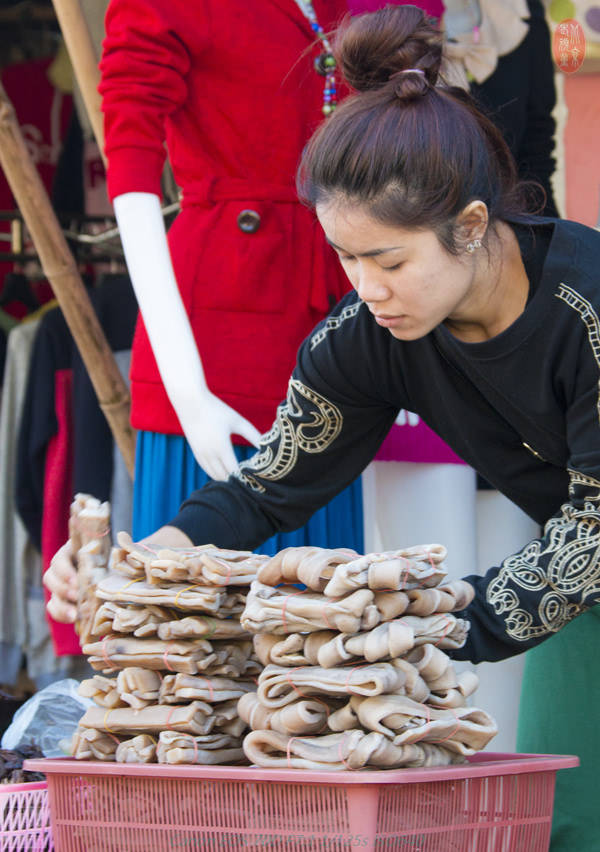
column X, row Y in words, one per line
column 388, row 322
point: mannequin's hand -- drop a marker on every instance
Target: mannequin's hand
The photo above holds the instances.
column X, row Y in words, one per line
column 208, row 426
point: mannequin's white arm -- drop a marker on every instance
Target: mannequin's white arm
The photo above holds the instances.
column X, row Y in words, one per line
column 207, row 422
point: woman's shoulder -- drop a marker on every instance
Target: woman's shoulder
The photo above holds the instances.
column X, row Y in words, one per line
column 348, row 349
column 348, row 314
column 571, row 249
column 581, row 244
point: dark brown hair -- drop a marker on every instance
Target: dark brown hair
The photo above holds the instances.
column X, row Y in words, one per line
column 412, row 152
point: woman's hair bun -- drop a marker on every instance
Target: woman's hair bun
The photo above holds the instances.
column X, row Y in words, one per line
column 382, row 48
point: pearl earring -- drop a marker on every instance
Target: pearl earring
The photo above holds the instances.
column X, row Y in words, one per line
column 474, row 245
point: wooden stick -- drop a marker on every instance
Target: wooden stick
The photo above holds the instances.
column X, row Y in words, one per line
column 84, row 61
column 60, row 269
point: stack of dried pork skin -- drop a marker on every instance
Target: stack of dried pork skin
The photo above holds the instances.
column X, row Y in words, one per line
column 355, row 673
column 173, row 657
column 89, row 537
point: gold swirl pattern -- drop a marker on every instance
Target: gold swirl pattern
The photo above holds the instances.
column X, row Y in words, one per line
column 305, row 421
column 564, row 566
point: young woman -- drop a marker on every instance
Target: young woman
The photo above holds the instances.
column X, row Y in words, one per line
column 481, row 319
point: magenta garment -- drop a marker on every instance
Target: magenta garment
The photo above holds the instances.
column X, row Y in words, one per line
column 58, row 493
column 432, row 7
column 416, row 443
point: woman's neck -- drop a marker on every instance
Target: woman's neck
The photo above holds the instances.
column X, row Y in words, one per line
column 500, row 288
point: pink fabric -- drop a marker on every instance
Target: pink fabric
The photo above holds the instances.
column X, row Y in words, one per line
column 58, row 493
column 416, row 443
column 432, row 7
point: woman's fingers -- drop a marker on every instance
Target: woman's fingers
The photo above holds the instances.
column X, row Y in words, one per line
column 61, row 580
column 61, row 611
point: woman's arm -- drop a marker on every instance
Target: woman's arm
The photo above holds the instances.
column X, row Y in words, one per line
column 537, row 591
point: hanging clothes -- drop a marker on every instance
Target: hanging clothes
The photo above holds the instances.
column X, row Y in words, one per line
column 19, row 559
column 103, row 472
column 24, row 630
column 37, row 445
column 52, row 351
column 7, row 323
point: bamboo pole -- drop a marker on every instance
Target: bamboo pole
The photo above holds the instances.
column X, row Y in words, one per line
column 84, row 61
column 60, row 269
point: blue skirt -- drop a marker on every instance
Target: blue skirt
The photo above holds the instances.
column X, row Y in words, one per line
column 166, row 472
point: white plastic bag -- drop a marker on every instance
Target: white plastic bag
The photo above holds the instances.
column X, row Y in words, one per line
column 47, row 718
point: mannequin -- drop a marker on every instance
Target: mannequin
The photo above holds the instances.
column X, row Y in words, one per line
column 206, row 421
column 244, row 273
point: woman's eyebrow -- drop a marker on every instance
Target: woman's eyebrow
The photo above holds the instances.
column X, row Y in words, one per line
column 372, row 253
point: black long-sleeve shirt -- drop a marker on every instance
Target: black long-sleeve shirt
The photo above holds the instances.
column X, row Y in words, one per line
column 522, row 408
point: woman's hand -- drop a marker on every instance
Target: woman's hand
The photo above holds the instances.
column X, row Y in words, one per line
column 61, row 580
column 61, row 577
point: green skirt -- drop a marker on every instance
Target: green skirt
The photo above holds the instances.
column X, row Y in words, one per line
column 560, row 714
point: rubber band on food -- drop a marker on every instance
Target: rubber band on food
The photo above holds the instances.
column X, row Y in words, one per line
column 287, row 751
column 186, row 589
column 127, row 585
column 424, row 726
column 213, row 629
column 148, row 548
column 341, row 756
column 165, row 660
column 347, row 684
column 105, row 723
column 403, row 580
column 210, row 690
column 449, row 626
column 284, row 605
column 327, row 712
column 168, row 719
column 228, row 577
column 288, row 676
column 109, row 663
column 451, row 734
column 324, row 614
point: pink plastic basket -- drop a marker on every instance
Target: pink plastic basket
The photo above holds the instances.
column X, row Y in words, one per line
column 25, row 823
column 496, row 803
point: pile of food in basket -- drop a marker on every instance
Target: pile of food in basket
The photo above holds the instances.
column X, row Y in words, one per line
column 313, row 658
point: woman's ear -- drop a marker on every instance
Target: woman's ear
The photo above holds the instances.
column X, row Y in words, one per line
column 471, row 223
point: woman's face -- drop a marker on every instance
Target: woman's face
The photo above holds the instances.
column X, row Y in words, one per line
column 407, row 279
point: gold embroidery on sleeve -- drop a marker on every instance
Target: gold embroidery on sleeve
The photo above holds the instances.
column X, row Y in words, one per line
column 572, row 568
column 589, row 316
column 293, row 434
column 333, row 323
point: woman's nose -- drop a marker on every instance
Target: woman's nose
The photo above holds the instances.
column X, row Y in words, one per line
column 369, row 285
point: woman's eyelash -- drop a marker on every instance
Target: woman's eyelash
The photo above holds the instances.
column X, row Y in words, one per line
column 386, row 268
